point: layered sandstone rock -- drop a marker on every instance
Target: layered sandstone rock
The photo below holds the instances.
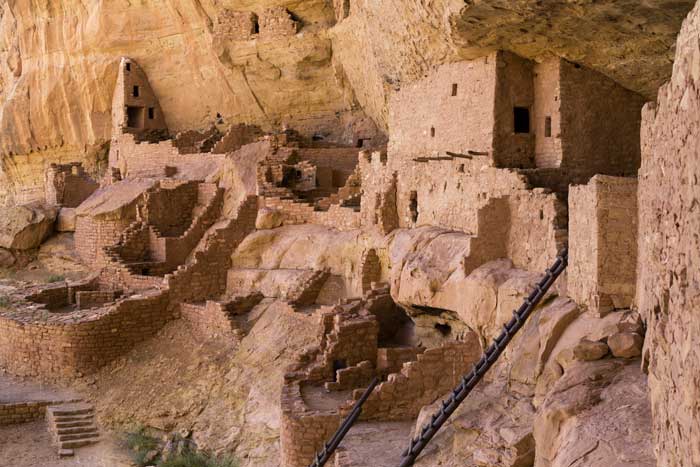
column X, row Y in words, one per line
column 337, row 63
column 668, row 287
column 25, row 227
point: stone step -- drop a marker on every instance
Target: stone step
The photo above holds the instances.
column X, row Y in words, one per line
column 78, row 443
column 78, row 436
column 77, row 430
column 71, row 409
column 65, row 453
column 75, row 424
column 73, row 419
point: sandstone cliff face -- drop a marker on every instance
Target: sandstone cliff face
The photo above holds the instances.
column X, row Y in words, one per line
column 58, row 63
column 669, row 279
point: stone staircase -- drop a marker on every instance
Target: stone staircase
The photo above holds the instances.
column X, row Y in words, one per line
column 72, row 426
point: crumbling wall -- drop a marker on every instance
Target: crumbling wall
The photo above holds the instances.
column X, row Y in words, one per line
column 151, row 159
column 277, row 22
column 236, row 25
column 668, row 285
column 422, row 381
column 68, row 185
column 169, row 209
column 603, row 243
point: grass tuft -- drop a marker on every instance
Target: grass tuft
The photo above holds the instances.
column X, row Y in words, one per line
column 141, row 443
column 55, row 278
column 199, row 459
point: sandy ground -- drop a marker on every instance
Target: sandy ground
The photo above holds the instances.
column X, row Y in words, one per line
column 29, row 445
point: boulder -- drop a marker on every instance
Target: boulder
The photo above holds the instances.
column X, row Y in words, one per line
column 626, row 344
column 7, row 259
column 587, row 350
column 66, row 220
column 24, row 227
column 268, row 219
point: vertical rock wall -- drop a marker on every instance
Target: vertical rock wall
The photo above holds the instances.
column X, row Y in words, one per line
column 668, row 290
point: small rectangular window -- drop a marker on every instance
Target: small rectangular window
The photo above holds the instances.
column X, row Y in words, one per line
column 128, row 66
column 521, row 120
column 548, row 127
column 454, row 89
column 432, row 132
column 136, row 91
column 151, row 113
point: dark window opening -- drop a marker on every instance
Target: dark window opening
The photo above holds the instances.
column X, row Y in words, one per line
column 444, row 329
column 128, row 66
column 577, row 66
column 548, row 127
column 413, row 207
column 432, row 132
column 337, row 366
column 521, row 120
column 256, row 25
column 541, row 214
column 134, row 117
column 454, row 89
column 151, row 113
column 461, row 168
column 360, row 142
column 145, row 271
column 136, row 91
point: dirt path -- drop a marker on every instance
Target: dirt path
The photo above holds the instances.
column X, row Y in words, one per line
column 377, row 444
column 29, row 445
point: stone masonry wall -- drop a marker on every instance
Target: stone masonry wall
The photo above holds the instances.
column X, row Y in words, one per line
column 68, row 185
column 600, row 124
column 62, row 346
column 94, row 233
column 603, row 243
column 453, row 110
column 422, row 382
column 668, row 285
column 149, row 159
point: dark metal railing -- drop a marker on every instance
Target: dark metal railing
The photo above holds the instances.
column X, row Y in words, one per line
column 487, row 360
column 329, row 448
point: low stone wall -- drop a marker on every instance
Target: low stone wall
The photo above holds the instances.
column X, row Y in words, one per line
column 337, row 216
column 421, row 382
column 23, row 412
column 303, row 431
column 61, row 346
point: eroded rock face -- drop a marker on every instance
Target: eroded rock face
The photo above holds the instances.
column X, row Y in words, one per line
column 25, row 227
column 338, row 69
column 596, row 415
column 668, row 289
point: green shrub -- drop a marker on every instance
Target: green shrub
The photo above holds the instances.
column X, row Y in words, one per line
column 55, row 278
column 141, row 444
column 4, row 301
column 199, row 459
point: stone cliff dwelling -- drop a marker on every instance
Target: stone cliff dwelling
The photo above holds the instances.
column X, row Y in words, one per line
column 484, row 261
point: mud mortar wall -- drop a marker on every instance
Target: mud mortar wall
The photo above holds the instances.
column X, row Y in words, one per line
column 668, row 285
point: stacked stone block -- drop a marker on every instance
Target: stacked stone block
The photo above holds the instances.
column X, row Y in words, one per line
column 603, row 243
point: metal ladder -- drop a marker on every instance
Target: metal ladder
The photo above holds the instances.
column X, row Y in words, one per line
column 329, row 448
column 487, row 360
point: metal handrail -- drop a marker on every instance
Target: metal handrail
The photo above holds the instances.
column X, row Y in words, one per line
column 487, row 360
column 329, row 448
